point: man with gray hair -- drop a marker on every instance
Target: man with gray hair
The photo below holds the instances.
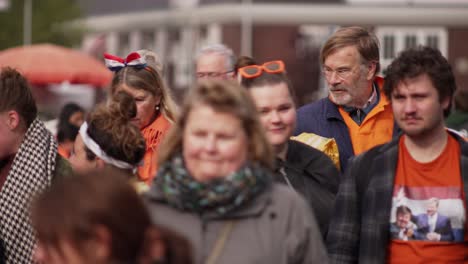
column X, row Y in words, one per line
column 215, row 61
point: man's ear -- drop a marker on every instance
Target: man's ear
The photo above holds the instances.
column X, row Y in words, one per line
column 13, row 119
column 371, row 68
column 446, row 102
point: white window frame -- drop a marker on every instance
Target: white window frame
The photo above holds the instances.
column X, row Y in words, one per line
column 399, row 34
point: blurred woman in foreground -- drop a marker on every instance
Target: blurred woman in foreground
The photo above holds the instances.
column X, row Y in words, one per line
column 215, row 186
column 108, row 139
column 98, row 218
column 155, row 106
column 301, row 167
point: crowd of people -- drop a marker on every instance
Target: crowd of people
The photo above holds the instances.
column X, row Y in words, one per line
column 227, row 177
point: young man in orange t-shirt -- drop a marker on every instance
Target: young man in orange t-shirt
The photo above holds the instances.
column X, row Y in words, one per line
column 424, row 171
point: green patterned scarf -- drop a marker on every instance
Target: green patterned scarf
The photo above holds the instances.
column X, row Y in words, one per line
column 220, row 196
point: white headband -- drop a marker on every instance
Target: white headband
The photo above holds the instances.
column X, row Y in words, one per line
column 94, row 147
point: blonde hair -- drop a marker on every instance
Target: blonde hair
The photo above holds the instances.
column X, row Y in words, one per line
column 226, row 97
column 150, row 80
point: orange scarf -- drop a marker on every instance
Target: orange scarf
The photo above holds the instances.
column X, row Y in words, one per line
column 153, row 134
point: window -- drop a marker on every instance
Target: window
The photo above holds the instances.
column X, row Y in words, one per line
column 432, row 41
column 388, row 47
column 410, row 41
column 124, row 44
column 148, row 40
column 394, row 40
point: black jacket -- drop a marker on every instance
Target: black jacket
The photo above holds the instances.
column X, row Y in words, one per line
column 312, row 174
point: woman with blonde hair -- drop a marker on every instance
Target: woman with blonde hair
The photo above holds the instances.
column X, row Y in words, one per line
column 215, row 185
column 155, row 106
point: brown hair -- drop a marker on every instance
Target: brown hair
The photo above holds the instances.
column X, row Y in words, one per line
column 66, row 112
column 73, row 207
column 422, row 60
column 109, row 126
column 267, row 79
column 402, row 209
column 147, row 79
column 243, row 61
column 225, row 97
column 15, row 94
column 461, row 100
column 365, row 42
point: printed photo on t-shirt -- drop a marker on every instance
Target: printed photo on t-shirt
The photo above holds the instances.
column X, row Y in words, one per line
column 432, row 214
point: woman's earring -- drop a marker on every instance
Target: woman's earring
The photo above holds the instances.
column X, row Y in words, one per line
column 156, row 107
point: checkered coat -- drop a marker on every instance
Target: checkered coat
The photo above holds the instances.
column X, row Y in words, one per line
column 359, row 230
column 35, row 166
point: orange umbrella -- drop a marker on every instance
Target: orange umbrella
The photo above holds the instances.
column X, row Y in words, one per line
column 47, row 63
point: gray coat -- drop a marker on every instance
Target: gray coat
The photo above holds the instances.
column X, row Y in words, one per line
column 277, row 227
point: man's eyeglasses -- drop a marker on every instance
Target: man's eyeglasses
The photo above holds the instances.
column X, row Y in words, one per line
column 342, row 73
column 201, row 75
column 253, row 71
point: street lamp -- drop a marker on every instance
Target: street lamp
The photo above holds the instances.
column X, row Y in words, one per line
column 27, row 22
column 246, row 28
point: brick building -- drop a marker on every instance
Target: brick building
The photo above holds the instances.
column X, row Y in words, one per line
column 289, row 30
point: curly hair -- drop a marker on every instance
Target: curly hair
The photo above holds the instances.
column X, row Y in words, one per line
column 109, row 126
column 422, row 60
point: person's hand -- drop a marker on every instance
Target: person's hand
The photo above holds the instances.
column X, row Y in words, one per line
column 433, row 236
column 409, row 232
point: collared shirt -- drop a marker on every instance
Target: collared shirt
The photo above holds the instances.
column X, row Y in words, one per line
column 359, row 114
column 432, row 222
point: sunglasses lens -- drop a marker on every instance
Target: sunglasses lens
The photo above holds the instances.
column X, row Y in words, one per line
column 273, row 66
column 251, row 70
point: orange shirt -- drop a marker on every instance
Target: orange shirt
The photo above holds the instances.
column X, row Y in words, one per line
column 375, row 129
column 153, row 134
column 435, row 186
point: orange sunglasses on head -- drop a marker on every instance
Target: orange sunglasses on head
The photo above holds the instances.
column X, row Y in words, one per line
column 253, row 71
